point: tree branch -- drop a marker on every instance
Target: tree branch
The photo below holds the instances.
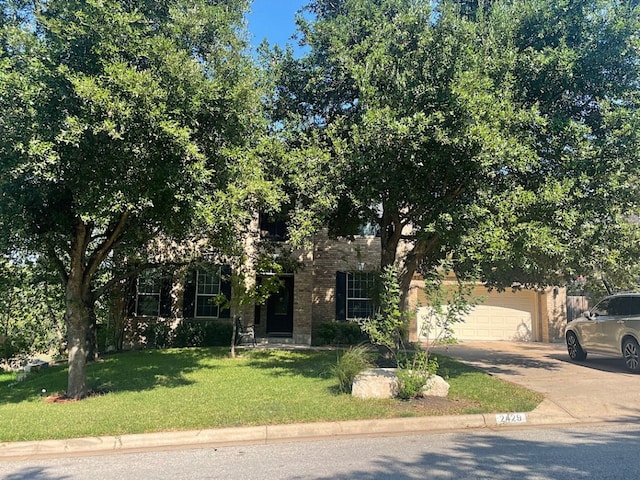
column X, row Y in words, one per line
column 112, row 236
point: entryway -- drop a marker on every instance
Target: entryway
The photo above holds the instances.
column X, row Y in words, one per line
column 280, row 310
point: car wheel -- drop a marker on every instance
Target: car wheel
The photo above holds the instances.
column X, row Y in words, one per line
column 573, row 347
column 631, row 353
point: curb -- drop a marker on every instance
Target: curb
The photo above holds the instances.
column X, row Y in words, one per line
column 262, row 435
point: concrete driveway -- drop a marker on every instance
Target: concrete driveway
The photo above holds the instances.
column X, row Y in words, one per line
column 598, row 389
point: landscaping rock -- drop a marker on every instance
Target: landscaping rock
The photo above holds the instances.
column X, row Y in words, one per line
column 436, row 387
column 376, row 383
column 383, row 383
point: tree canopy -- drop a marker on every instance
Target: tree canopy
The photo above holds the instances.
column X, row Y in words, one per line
column 499, row 135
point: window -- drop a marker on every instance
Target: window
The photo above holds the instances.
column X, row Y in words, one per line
column 203, row 288
column 354, row 293
column 208, row 289
column 369, row 230
column 602, row 308
column 149, row 291
column 274, row 227
column 623, row 305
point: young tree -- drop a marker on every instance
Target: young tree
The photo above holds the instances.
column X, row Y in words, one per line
column 487, row 133
column 120, row 121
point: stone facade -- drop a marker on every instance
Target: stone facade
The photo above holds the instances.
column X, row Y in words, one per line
column 312, row 293
column 329, row 257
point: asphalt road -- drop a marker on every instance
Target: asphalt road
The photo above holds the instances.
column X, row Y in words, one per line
column 595, row 451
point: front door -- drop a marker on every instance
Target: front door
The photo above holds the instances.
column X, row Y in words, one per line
column 280, row 310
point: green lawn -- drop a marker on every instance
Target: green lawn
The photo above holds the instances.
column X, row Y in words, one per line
column 178, row 389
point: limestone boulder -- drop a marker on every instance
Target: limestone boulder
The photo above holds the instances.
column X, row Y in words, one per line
column 383, row 383
column 376, row 383
column 436, row 386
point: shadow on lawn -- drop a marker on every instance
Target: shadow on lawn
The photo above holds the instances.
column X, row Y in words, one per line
column 306, row 363
column 128, row 371
column 316, row 364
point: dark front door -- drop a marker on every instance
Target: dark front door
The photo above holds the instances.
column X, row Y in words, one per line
column 280, row 310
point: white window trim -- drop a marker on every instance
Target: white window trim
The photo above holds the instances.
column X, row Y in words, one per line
column 350, row 275
column 207, row 295
column 155, row 294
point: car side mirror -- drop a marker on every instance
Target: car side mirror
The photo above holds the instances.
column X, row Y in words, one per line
column 588, row 315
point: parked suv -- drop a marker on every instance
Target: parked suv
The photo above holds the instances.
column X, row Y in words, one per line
column 612, row 327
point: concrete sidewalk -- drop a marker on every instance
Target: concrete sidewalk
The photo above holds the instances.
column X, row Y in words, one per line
column 595, row 391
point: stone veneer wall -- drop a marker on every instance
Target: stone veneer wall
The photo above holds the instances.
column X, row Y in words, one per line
column 331, row 256
column 302, row 295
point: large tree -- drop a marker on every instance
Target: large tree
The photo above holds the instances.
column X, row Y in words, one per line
column 120, row 121
column 487, row 133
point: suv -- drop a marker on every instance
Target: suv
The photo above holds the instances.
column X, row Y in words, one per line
column 612, row 327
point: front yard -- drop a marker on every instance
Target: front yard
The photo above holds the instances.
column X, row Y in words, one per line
column 194, row 388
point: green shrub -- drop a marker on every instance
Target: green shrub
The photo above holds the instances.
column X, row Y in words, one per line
column 217, row 334
column 325, row 333
column 350, row 364
column 158, row 335
column 339, row 333
column 413, row 373
column 202, row 334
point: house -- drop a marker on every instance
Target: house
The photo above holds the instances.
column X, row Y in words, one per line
column 332, row 281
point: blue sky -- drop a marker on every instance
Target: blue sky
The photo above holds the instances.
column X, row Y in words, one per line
column 274, row 20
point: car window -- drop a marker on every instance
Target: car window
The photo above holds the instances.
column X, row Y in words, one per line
column 625, row 306
column 617, row 306
column 602, row 308
column 634, row 306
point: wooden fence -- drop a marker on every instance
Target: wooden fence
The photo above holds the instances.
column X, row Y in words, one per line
column 576, row 306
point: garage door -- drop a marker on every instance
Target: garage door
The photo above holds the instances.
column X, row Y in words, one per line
column 502, row 316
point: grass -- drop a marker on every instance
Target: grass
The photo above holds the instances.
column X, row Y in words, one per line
column 179, row 389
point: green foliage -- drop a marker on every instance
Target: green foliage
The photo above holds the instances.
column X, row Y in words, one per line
column 30, row 311
column 414, row 369
column 158, row 335
column 388, row 326
column 122, row 122
column 188, row 333
column 488, row 133
column 447, row 305
column 350, row 363
column 201, row 334
column 339, row 333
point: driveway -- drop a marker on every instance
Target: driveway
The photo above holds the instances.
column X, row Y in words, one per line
column 598, row 389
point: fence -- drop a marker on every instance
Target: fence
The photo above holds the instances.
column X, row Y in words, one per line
column 576, row 306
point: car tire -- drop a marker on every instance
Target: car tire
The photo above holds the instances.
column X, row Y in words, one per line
column 574, row 348
column 631, row 354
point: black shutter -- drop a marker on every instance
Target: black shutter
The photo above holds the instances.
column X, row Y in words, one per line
column 341, row 296
column 165, row 295
column 225, row 289
column 189, row 296
column 257, row 308
column 132, row 296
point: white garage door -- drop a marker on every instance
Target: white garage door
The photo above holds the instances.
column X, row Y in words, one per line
column 502, row 316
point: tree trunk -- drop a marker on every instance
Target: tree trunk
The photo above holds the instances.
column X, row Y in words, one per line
column 77, row 320
column 77, row 312
column 79, row 299
column 92, row 332
column 390, row 234
column 407, row 263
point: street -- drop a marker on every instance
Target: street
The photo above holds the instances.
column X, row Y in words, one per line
column 590, row 451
